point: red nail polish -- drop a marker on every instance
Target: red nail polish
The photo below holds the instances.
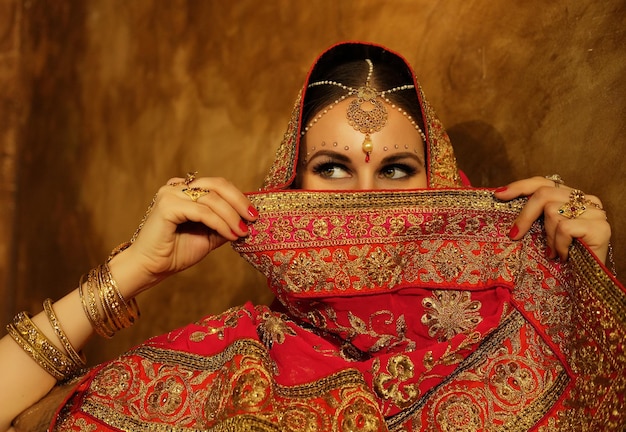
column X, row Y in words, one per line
column 234, row 233
column 514, row 231
column 242, row 226
column 501, row 189
column 253, row 212
column 548, row 252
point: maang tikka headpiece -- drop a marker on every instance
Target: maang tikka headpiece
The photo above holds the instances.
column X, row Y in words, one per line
column 366, row 114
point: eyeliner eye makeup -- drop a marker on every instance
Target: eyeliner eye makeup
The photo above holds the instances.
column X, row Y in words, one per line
column 327, row 168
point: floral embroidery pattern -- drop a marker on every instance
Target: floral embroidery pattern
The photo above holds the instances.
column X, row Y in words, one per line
column 460, row 413
column 391, row 383
column 245, row 368
column 449, row 313
column 273, row 329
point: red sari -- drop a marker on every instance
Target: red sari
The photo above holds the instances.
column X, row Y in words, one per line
column 406, row 310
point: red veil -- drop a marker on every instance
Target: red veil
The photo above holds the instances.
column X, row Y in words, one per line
column 406, row 310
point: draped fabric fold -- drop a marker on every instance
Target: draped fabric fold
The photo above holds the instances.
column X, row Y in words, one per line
column 419, row 315
column 399, row 310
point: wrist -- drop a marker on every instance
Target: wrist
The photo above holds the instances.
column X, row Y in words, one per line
column 129, row 275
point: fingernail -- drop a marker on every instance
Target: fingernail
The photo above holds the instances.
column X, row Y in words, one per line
column 514, row 231
column 253, row 212
column 501, row 189
column 242, row 226
column 548, row 252
column 234, row 233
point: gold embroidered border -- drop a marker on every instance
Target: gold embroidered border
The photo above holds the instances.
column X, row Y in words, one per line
column 493, row 342
column 211, row 363
column 296, row 201
column 342, row 380
column 254, row 349
column 598, row 353
column 528, row 418
column 612, row 296
column 233, row 424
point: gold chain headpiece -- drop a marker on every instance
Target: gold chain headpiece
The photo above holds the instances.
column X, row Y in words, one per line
column 366, row 114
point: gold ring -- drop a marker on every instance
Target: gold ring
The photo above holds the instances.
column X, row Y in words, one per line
column 191, row 176
column 558, row 181
column 576, row 205
column 195, row 193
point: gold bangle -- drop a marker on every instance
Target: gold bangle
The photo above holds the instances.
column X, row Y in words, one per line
column 88, row 300
column 124, row 313
column 41, row 361
column 83, row 299
column 40, row 349
column 116, row 313
column 107, row 322
column 103, row 327
column 79, row 359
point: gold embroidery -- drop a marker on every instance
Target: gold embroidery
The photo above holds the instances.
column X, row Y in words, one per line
column 252, row 388
column 273, row 329
column 306, row 271
column 597, row 347
column 381, row 268
column 449, row 313
column 390, row 385
column 514, row 379
column 75, row 425
column 230, row 319
column 233, row 390
column 165, row 398
column 514, row 382
column 114, row 380
column 299, row 417
column 459, row 413
column 523, row 382
column 358, row 327
column 216, row 397
column 360, row 414
column 337, row 250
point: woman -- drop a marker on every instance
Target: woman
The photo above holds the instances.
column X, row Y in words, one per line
column 406, row 300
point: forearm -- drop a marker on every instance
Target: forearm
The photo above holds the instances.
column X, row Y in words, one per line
column 22, row 380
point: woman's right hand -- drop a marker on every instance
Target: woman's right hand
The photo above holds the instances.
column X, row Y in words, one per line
column 179, row 232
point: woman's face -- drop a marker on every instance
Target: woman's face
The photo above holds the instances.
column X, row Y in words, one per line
column 336, row 161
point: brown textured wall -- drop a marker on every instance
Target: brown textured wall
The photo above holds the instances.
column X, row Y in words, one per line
column 124, row 95
column 12, row 105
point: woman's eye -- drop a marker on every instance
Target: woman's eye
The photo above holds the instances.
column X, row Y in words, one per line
column 394, row 172
column 331, row 170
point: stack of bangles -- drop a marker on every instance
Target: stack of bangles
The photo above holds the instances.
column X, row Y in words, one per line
column 105, row 308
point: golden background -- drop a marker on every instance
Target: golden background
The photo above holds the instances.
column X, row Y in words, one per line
column 103, row 101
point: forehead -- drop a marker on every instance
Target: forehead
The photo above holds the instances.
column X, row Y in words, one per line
column 333, row 128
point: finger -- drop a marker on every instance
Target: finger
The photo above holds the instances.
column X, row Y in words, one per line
column 213, row 214
column 524, row 187
column 177, row 208
column 535, row 206
column 230, row 194
column 551, row 222
column 221, row 201
column 175, row 181
column 591, row 228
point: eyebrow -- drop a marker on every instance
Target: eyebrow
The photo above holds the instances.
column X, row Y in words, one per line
column 399, row 156
column 330, row 153
column 340, row 157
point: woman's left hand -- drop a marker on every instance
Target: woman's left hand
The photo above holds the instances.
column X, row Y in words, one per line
column 553, row 200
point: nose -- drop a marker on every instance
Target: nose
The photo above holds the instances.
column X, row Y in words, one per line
column 366, row 183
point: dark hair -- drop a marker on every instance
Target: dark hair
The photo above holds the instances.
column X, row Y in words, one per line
column 346, row 64
column 353, row 74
